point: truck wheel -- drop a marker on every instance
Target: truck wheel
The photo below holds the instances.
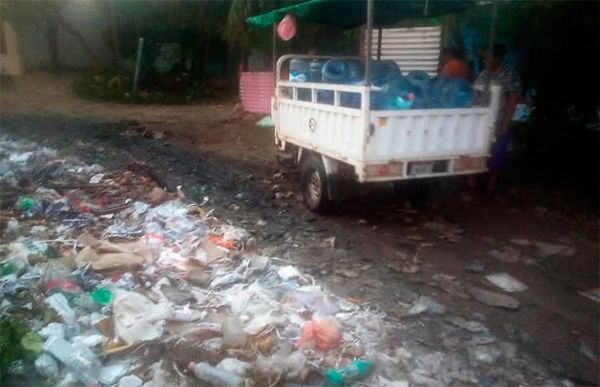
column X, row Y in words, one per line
column 415, row 191
column 315, row 185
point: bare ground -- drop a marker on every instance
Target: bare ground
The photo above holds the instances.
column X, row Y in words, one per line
column 375, row 235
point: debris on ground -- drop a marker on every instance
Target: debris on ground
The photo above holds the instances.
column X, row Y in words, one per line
column 546, row 250
column 494, row 299
column 506, row 282
column 592, row 294
column 475, row 266
column 112, row 278
column 507, row 254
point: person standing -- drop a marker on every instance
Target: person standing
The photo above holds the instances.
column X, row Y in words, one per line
column 454, row 65
column 495, row 72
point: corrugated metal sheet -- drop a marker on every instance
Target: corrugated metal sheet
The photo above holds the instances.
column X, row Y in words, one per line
column 256, row 90
column 412, row 48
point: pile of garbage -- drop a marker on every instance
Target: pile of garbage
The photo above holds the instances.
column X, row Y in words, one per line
column 107, row 279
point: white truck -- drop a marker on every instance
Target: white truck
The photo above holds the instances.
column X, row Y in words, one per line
column 330, row 142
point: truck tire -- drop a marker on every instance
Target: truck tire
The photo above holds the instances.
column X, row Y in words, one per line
column 315, row 185
column 415, row 191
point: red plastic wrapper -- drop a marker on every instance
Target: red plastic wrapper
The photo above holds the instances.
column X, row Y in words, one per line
column 322, row 333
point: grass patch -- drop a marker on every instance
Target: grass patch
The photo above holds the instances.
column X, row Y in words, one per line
column 173, row 90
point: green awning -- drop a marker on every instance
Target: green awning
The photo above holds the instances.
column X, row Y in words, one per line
column 352, row 13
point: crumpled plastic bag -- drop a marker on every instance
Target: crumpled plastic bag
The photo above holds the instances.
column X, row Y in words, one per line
column 323, row 333
column 58, row 302
column 137, row 318
column 283, row 362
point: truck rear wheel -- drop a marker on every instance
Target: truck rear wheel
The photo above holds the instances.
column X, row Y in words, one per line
column 315, row 185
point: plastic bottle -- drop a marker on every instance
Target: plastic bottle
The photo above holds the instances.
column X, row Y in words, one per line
column 455, row 93
column 402, row 90
column 210, row 374
column 382, row 71
column 79, row 360
column 59, row 303
column 418, row 78
column 103, row 296
column 46, row 366
column 316, row 68
column 344, row 71
column 349, row 373
column 29, row 206
column 299, row 70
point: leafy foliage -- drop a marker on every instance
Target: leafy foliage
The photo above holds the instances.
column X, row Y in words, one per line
column 553, row 45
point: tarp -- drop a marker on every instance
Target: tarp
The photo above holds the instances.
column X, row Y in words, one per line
column 352, row 13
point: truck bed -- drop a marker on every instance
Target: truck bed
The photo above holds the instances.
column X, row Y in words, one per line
column 385, row 144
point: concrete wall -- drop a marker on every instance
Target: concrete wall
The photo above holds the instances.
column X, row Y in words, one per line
column 10, row 59
column 85, row 16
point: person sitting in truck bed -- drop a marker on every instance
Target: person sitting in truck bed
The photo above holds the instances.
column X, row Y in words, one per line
column 495, row 72
column 454, row 64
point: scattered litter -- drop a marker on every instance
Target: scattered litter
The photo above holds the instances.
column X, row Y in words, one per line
column 137, row 318
column 521, row 242
column 59, row 303
column 449, row 284
column 506, row 282
column 80, row 361
column 111, row 373
column 349, row 373
column 592, row 294
column 97, row 286
column 234, row 366
column 288, row 272
column 322, row 333
column 46, row 366
column 97, row 178
column 130, row 381
column 545, row 250
column 216, row 376
column 410, row 268
column 471, row 326
column 425, row 305
column 586, row 351
column 508, row 254
column 494, row 299
column 475, row 266
column 156, row 196
column 265, row 122
column 484, row 353
column 329, row 243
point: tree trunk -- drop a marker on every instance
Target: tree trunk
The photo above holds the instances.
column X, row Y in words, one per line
column 225, row 63
column 205, row 57
column 52, row 36
column 244, row 59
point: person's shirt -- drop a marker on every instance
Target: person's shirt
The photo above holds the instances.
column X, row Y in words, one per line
column 506, row 79
column 457, row 68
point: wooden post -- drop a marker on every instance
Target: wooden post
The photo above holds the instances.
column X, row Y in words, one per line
column 115, row 39
column 491, row 40
column 138, row 64
column 368, row 37
column 379, row 37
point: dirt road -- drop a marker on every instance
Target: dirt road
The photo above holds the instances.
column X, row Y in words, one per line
column 373, row 248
